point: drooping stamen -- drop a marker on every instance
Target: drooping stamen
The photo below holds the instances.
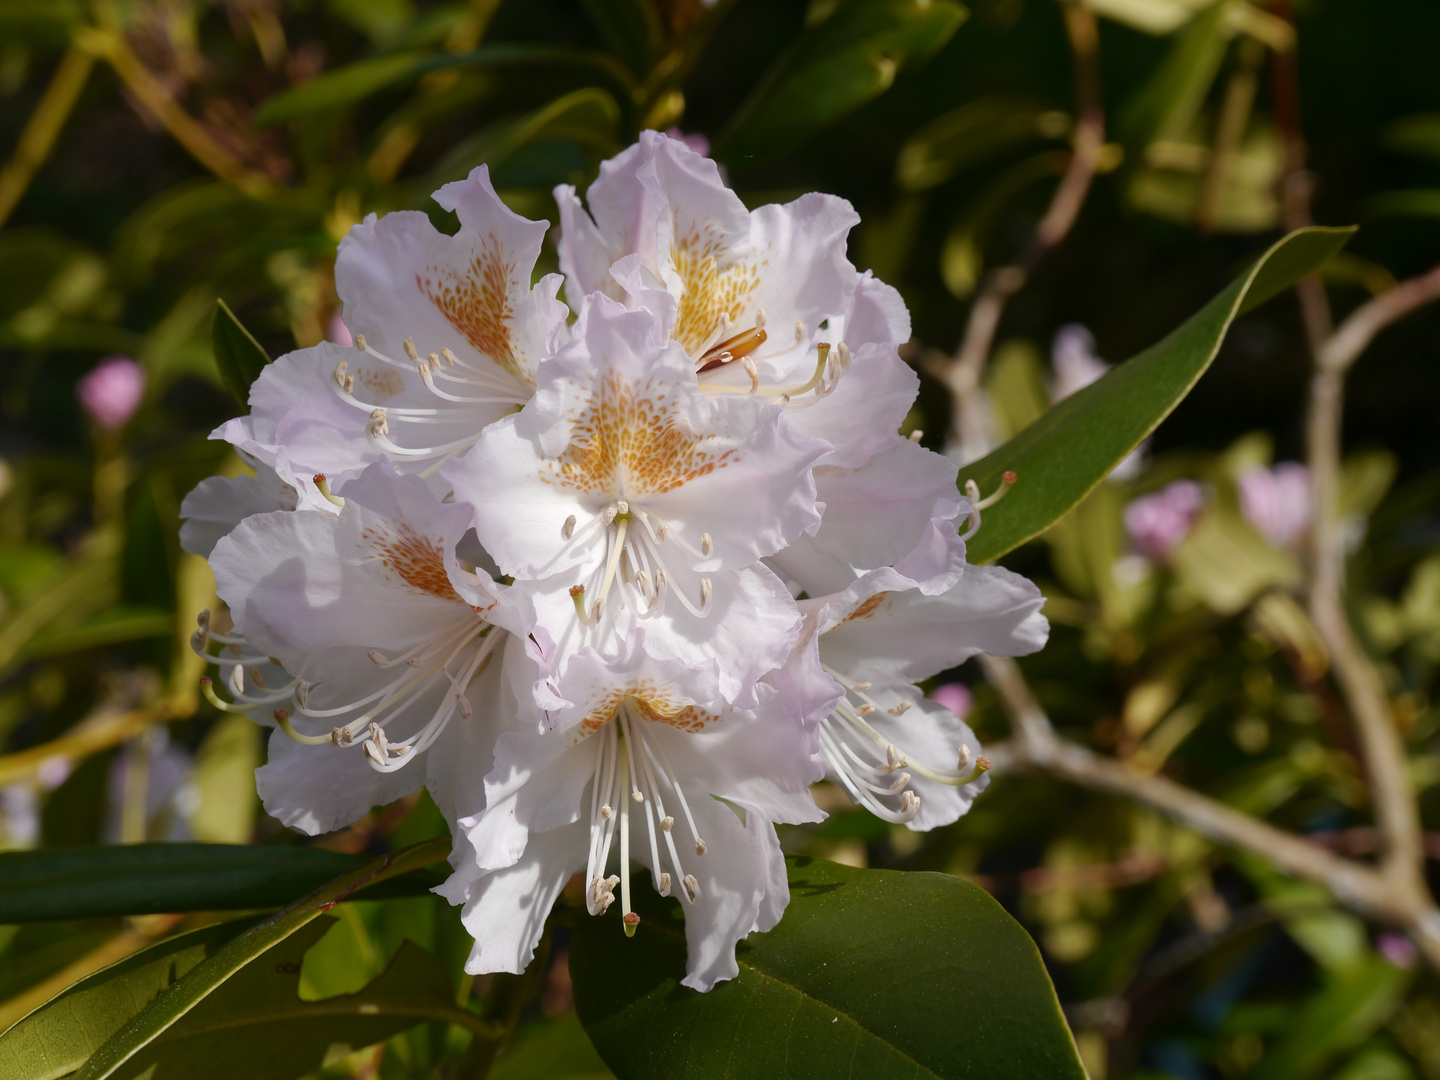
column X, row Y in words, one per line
column 972, row 492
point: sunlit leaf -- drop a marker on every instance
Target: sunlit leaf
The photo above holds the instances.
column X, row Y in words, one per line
column 238, row 355
column 136, row 879
column 132, row 1045
column 1171, row 98
column 1065, row 453
column 835, row 67
column 871, row 973
column 55, row 1039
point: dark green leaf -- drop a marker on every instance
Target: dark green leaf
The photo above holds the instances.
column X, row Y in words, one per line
column 1418, row 135
column 255, row 1027
column 126, row 1052
column 351, row 84
column 55, row 1039
column 631, row 29
column 118, row 624
column 835, row 67
column 137, row 879
column 237, row 354
column 870, row 973
column 966, row 136
column 1063, row 455
column 1171, row 99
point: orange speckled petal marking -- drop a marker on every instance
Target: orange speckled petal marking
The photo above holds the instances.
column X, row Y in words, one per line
column 650, row 701
column 479, row 305
column 629, row 440
column 712, row 289
column 867, row 608
column 418, row 561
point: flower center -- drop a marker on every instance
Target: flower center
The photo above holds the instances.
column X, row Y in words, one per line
column 634, row 565
column 876, row 772
column 630, row 767
column 467, row 396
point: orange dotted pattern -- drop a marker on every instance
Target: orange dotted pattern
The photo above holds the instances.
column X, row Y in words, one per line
column 479, row 305
column 416, row 560
column 868, row 608
column 629, row 441
column 380, row 382
column 712, row 290
column 648, row 701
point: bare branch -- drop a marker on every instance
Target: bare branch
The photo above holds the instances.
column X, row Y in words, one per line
column 972, row 420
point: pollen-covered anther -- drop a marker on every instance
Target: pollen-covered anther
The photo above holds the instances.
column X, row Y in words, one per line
column 637, row 796
column 377, row 657
column 361, row 343
column 861, row 687
column 706, row 589
column 342, row 736
column 964, row 762
column 699, row 846
column 909, row 804
column 463, row 704
column 894, row 759
column 753, row 372
column 607, row 812
column 609, row 515
column 379, row 426
column 917, row 435
column 662, row 885
column 409, row 346
column 450, row 357
column 692, row 887
column 568, row 529
column 667, row 823
column 866, row 709
column 899, row 708
column 622, row 507
column 707, row 545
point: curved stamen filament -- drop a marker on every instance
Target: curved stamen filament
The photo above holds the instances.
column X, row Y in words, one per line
column 830, row 364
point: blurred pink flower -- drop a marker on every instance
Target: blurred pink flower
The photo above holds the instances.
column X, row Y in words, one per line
column 954, row 696
column 111, row 392
column 338, row 332
column 1396, row 948
column 1156, row 523
column 1277, row 501
column 695, row 141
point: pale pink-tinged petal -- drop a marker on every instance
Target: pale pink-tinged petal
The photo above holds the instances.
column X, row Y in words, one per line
column 399, row 277
column 505, row 910
column 911, row 636
column 861, row 417
column 748, row 631
column 219, row 503
column 585, row 255
column 741, row 861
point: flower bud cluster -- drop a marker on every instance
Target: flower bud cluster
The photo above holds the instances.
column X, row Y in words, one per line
column 616, row 578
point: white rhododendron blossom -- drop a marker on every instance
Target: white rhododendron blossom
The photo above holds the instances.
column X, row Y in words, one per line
column 448, row 333
column 625, row 778
column 618, row 581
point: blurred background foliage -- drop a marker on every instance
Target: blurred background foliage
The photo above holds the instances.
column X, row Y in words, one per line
column 163, row 154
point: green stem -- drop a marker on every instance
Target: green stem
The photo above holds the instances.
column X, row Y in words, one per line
column 39, row 136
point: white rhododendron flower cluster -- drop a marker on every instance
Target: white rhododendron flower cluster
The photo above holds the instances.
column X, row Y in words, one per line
column 617, row 582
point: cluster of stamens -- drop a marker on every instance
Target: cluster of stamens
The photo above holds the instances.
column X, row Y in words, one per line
column 634, row 563
column 874, row 770
column 453, row 656
column 489, row 394
column 628, row 766
column 743, row 348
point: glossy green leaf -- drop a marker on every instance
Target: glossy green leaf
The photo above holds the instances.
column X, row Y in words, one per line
column 1172, row 97
column 835, row 67
column 55, row 1039
column 1063, row 455
column 355, row 82
column 133, row 1045
column 138, row 879
column 256, row 1027
column 238, row 355
column 870, row 973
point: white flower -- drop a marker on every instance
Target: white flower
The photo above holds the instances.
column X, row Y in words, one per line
column 750, row 296
column 627, row 776
column 218, row 503
column 394, row 650
column 626, row 496
column 448, row 334
column 901, row 756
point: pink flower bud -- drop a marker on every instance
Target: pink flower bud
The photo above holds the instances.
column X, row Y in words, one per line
column 338, row 332
column 1396, row 948
column 1157, row 523
column 111, row 392
column 954, row 696
column 1277, row 501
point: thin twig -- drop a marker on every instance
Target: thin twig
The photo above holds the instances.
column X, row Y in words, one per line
column 971, row 418
column 1396, row 813
column 42, row 129
column 100, row 732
